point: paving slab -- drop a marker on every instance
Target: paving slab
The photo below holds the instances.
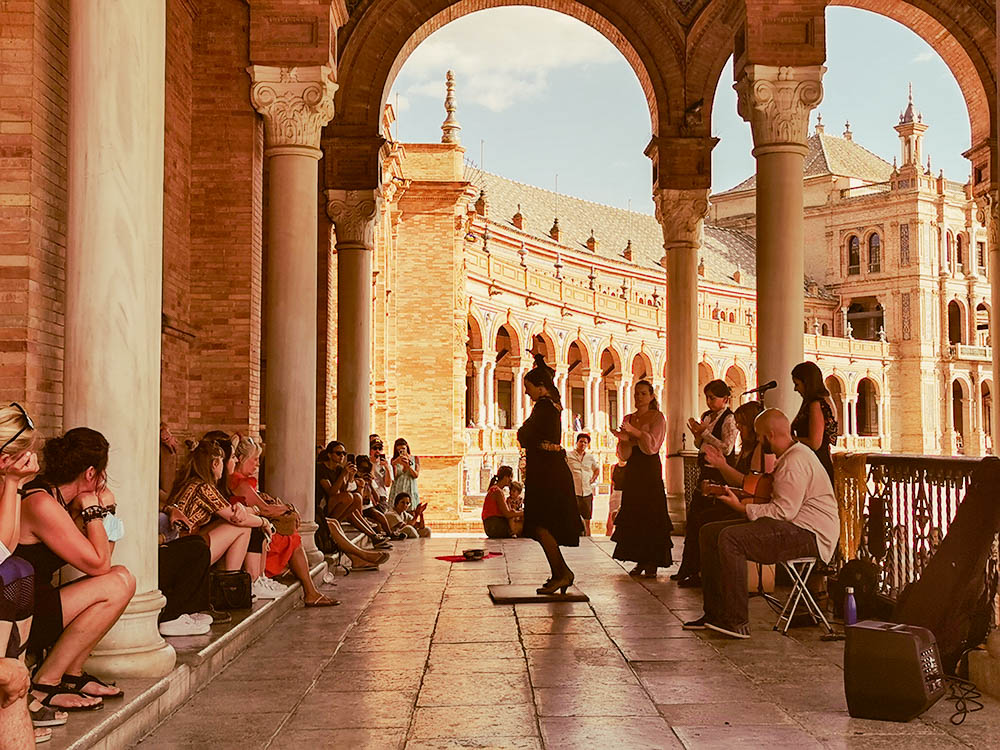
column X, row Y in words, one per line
column 423, row 660
column 519, row 593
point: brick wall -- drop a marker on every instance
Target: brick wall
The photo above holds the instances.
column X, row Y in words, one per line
column 34, row 77
column 226, row 224
column 177, row 337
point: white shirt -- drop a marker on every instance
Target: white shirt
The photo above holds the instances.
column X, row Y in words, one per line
column 804, row 496
column 4, row 552
column 379, row 473
column 583, row 471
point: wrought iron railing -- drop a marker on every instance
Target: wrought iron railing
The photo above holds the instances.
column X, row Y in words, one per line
column 896, row 509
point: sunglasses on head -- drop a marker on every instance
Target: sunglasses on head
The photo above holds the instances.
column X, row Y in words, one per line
column 28, row 425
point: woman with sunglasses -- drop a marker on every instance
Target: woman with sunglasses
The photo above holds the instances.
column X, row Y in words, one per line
column 62, row 523
column 18, row 465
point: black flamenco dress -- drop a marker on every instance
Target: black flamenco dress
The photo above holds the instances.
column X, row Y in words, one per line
column 643, row 526
column 549, row 494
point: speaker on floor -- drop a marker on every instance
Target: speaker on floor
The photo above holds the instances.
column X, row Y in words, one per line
column 891, row 672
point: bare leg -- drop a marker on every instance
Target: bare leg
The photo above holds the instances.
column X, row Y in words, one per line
column 382, row 521
column 254, row 564
column 586, row 527
column 557, row 565
column 230, row 541
column 16, row 732
column 611, row 522
column 90, row 607
column 349, row 548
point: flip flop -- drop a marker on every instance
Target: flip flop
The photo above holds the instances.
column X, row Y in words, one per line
column 323, row 601
column 76, row 683
column 46, row 716
column 42, row 734
column 51, row 691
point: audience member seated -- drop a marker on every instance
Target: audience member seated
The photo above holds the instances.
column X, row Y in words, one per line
column 405, row 469
column 336, row 477
column 168, row 462
column 381, row 473
column 801, row 520
column 405, row 522
column 260, row 537
column 499, row 521
column 370, row 500
column 62, row 523
column 285, row 550
column 203, row 510
column 18, row 465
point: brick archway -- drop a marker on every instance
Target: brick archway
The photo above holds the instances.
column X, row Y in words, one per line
column 381, row 34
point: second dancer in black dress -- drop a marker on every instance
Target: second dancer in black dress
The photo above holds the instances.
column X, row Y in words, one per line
column 550, row 512
column 642, row 528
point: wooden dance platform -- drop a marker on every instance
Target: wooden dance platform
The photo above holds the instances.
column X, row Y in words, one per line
column 523, row 593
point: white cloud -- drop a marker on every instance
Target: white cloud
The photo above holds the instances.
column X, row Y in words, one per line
column 926, row 56
column 502, row 56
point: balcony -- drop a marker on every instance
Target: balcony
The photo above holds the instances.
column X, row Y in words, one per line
column 970, row 353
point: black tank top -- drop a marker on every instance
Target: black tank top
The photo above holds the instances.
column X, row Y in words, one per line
column 42, row 559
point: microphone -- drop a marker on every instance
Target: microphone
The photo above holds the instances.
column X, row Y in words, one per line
column 761, row 389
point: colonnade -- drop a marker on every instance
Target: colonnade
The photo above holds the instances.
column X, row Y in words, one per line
column 114, row 261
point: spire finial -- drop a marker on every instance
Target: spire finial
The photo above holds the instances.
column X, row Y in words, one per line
column 450, row 126
column 819, row 123
column 848, row 135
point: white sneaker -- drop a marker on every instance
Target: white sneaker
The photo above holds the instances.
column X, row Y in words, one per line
column 183, row 625
column 276, row 585
column 262, row 589
column 201, row 617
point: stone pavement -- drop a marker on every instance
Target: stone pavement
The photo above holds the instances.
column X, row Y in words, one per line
column 418, row 658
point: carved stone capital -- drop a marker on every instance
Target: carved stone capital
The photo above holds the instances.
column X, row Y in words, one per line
column 988, row 213
column 776, row 101
column 681, row 214
column 353, row 215
column 295, row 103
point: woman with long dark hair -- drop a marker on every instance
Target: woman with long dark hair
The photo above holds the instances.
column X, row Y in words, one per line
column 551, row 517
column 642, row 527
column 815, row 425
column 499, row 521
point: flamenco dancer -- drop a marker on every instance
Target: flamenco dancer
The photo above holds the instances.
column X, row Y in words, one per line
column 550, row 514
column 642, row 528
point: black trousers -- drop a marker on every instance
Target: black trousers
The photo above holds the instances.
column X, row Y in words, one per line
column 704, row 509
column 184, row 567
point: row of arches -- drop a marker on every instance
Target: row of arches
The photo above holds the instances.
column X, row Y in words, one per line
column 965, row 329
column 964, row 407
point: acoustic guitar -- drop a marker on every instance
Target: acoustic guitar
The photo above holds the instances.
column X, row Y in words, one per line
column 756, row 487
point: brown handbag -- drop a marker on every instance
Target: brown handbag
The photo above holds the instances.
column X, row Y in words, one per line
column 287, row 523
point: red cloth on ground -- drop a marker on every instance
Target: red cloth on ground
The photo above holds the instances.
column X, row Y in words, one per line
column 462, row 558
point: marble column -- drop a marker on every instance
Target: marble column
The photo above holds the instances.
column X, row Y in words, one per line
column 681, row 214
column 353, row 215
column 776, row 101
column 114, row 261
column 480, row 395
column 295, row 103
column 588, row 404
column 622, row 388
column 990, row 216
column 489, row 385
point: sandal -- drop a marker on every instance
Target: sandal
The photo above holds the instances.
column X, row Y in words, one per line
column 77, row 683
column 323, row 601
column 46, row 716
column 42, row 735
column 51, row 691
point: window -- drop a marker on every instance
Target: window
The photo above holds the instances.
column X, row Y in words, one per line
column 959, row 252
column 947, row 252
column 981, row 257
column 505, row 419
column 826, row 330
column 874, row 253
column 853, row 256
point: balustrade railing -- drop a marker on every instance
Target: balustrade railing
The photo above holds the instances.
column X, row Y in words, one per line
column 896, row 509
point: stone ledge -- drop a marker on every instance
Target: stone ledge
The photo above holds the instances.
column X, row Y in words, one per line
column 199, row 660
column 984, row 670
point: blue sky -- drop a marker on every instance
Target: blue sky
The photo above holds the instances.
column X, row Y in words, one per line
column 541, row 94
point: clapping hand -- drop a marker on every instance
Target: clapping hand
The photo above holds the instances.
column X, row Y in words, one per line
column 714, row 456
column 696, row 427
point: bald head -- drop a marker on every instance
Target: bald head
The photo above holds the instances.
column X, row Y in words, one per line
column 773, row 426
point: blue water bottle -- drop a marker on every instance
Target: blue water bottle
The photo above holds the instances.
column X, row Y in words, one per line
column 850, row 607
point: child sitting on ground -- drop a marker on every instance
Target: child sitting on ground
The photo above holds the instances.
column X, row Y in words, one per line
column 403, row 521
column 516, row 503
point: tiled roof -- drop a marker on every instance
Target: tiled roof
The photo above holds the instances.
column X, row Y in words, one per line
column 830, row 155
column 725, row 250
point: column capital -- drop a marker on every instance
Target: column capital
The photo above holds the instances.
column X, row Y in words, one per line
column 353, row 215
column 776, row 101
column 681, row 214
column 988, row 213
column 295, row 102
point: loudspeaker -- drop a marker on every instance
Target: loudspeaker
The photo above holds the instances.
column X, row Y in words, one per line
column 891, row 672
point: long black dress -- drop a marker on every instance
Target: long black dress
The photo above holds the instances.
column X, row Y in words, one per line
column 643, row 526
column 549, row 494
column 800, row 429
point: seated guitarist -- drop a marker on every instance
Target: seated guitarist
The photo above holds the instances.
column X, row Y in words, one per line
column 800, row 520
column 709, row 508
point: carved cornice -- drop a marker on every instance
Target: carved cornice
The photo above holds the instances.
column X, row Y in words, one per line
column 777, row 102
column 295, row 103
column 353, row 215
column 681, row 214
